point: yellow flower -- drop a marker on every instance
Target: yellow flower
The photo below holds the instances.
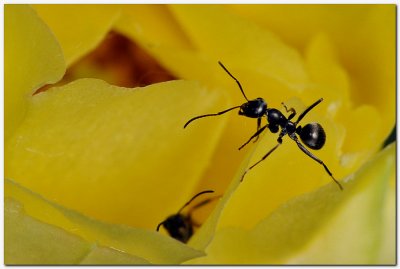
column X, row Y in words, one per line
column 121, row 156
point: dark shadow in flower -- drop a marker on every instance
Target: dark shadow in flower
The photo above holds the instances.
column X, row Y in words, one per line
column 119, row 61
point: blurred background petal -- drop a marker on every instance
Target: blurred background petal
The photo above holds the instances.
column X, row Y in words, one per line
column 327, row 226
column 32, row 58
column 78, row 28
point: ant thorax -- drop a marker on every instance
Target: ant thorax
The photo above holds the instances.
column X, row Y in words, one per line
column 275, row 120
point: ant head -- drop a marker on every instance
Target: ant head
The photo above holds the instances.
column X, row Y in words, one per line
column 179, row 227
column 254, row 108
column 313, row 135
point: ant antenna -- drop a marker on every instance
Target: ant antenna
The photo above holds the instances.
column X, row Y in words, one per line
column 207, row 115
column 237, row 81
column 222, row 112
column 229, row 109
column 194, row 197
column 159, row 225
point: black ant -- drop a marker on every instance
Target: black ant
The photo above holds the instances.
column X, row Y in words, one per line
column 312, row 134
column 180, row 226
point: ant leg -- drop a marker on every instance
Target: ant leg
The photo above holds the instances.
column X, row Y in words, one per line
column 308, row 110
column 253, row 136
column 194, row 197
column 202, row 203
column 159, row 225
column 207, row 115
column 263, row 158
column 258, row 128
column 294, row 138
column 293, row 112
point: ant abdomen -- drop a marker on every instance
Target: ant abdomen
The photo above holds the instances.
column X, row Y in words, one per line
column 313, row 135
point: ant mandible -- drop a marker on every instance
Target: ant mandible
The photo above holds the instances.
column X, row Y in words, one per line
column 312, row 134
column 180, row 226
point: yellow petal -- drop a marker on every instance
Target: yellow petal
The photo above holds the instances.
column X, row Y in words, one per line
column 32, row 223
column 286, row 173
column 29, row 241
column 78, row 28
column 332, row 81
column 329, row 78
column 116, row 154
column 324, row 227
column 205, row 234
column 364, row 36
column 151, row 25
column 276, row 79
column 102, row 255
column 387, row 253
column 32, row 58
column 214, row 31
column 354, row 224
column 164, row 39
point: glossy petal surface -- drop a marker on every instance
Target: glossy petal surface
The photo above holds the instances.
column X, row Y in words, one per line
column 116, row 154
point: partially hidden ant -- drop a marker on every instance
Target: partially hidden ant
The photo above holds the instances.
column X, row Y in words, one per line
column 312, row 134
column 179, row 225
